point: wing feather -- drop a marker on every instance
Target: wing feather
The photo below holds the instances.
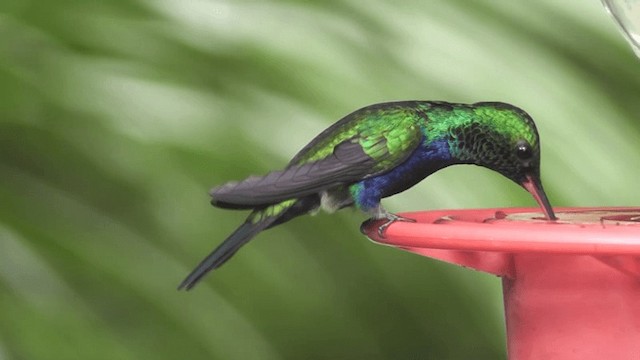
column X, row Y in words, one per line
column 368, row 154
column 347, row 163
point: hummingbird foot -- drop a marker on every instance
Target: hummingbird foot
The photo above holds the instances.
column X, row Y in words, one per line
column 391, row 218
column 379, row 213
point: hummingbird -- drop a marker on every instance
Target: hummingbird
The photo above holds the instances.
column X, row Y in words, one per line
column 375, row 152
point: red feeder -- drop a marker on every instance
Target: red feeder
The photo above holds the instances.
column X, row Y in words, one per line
column 571, row 287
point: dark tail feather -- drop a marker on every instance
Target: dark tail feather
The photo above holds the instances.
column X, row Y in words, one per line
column 225, row 251
column 256, row 222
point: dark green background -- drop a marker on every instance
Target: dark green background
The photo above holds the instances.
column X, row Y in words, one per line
column 117, row 116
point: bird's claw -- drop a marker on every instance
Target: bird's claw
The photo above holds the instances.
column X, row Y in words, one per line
column 391, row 218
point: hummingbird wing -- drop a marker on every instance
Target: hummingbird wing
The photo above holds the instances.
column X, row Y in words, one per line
column 371, row 152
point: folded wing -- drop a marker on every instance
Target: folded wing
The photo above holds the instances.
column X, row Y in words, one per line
column 351, row 161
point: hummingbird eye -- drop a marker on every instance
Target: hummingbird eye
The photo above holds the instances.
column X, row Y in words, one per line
column 524, row 151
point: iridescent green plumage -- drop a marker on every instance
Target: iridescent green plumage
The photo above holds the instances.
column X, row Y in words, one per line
column 384, row 131
column 376, row 152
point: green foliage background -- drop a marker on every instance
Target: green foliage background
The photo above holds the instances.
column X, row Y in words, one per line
column 117, row 116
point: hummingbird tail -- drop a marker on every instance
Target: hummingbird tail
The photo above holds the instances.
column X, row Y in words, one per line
column 225, row 251
column 258, row 220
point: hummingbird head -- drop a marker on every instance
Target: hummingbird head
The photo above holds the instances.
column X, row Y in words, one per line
column 503, row 138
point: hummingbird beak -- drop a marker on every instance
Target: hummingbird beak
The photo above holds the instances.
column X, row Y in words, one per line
column 534, row 186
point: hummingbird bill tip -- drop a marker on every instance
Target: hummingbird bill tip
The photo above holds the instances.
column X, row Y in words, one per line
column 534, row 187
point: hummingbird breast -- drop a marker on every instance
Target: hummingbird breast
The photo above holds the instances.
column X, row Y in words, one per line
column 424, row 161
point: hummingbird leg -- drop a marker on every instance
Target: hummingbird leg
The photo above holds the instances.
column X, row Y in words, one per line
column 381, row 213
column 391, row 219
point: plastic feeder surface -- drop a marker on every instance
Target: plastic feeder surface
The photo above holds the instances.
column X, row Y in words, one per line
column 571, row 287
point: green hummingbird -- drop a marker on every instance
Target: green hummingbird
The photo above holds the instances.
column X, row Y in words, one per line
column 378, row 151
